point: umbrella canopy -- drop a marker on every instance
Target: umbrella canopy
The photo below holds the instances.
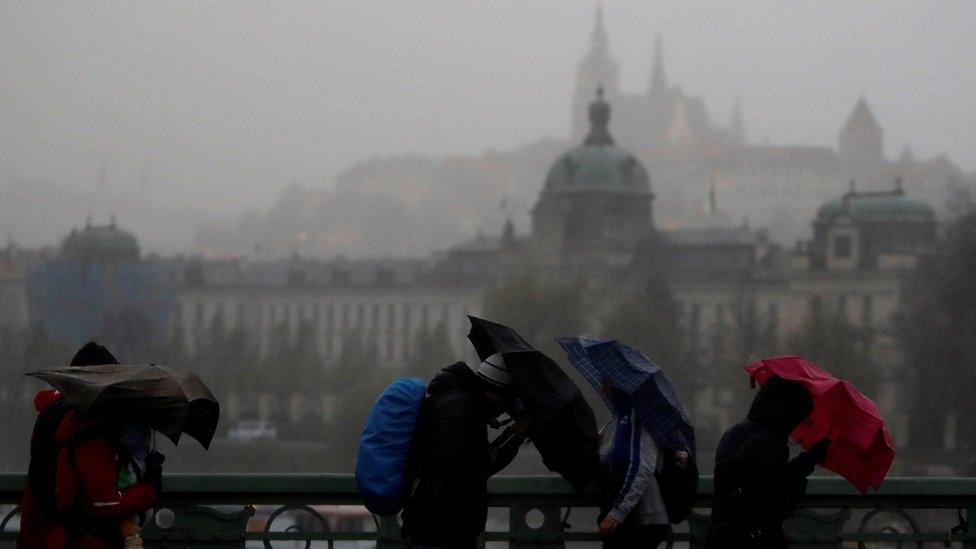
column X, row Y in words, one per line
column 629, row 371
column 540, row 384
column 569, row 444
column 860, row 449
column 564, row 429
column 168, row 401
column 489, row 338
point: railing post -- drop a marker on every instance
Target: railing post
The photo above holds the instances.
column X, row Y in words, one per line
column 535, row 527
column 970, row 543
column 388, row 533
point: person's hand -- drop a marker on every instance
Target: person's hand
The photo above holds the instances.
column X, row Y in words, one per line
column 608, row 526
column 154, row 470
column 154, row 460
column 681, row 458
column 522, row 427
column 818, row 452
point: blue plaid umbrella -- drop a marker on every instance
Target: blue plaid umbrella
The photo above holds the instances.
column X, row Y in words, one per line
column 634, row 374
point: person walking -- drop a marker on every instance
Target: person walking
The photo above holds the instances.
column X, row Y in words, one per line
column 633, row 514
column 757, row 486
column 72, row 499
column 451, row 457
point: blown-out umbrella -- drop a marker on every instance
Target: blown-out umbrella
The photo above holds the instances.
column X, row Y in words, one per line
column 631, row 372
column 169, row 401
column 540, row 384
column 489, row 338
column 564, row 426
column 860, row 446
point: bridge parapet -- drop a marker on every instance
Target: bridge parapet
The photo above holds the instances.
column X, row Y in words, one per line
column 224, row 511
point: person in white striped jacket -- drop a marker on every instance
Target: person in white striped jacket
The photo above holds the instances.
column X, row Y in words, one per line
column 633, row 513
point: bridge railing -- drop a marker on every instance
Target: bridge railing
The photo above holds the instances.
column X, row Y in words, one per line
column 224, row 511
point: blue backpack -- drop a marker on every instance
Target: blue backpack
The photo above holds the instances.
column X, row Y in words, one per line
column 384, row 447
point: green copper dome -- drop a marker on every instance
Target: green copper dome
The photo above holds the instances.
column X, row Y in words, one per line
column 602, row 168
column 598, row 165
column 881, row 208
column 100, row 243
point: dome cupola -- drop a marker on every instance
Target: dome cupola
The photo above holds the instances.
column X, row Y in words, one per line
column 100, row 243
column 598, row 165
column 596, row 194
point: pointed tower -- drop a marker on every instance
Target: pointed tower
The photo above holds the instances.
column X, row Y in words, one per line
column 662, row 103
column 659, row 83
column 595, row 70
column 861, row 139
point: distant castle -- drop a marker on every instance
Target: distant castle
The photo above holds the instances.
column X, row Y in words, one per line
column 701, row 171
column 696, row 163
column 662, row 116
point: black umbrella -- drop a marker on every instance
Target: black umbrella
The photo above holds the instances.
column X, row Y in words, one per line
column 168, row 401
column 569, row 443
column 489, row 338
column 564, row 426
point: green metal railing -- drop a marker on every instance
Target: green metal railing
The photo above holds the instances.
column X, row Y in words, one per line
column 210, row 511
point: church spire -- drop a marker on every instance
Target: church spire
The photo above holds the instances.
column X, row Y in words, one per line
column 598, row 38
column 861, row 138
column 596, row 68
column 659, row 82
column 861, row 118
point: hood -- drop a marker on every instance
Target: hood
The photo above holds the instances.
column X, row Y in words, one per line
column 780, row 405
column 93, row 354
column 44, row 399
column 456, row 376
column 460, row 377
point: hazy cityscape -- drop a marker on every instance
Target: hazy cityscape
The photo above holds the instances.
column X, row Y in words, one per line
column 303, row 203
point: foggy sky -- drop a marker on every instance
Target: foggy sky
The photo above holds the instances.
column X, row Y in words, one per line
column 217, row 106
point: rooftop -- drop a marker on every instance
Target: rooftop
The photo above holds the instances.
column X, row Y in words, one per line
column 877, row 207
column 598, row 165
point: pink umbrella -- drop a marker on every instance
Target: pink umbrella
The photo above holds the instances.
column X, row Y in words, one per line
column 860, row 449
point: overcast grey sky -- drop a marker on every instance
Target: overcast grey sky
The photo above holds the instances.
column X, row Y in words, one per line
column 227, row 102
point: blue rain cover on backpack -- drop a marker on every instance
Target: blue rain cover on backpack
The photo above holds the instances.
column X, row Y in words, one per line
column 384, row 447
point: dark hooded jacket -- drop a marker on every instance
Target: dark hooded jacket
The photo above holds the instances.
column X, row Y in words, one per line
column 756, row 484
column 84, row 465
column 452, row 459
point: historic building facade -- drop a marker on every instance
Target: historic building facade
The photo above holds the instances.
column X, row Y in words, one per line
column 388, row 317
column 593, row 226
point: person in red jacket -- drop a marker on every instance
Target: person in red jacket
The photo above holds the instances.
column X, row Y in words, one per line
column 72, row 499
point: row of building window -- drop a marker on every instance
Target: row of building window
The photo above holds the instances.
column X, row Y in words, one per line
column 390, row 326
column 326, row 318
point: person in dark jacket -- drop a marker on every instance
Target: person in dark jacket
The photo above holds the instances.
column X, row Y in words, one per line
column 72, row 498
column 452, row 458
column 756, row 484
